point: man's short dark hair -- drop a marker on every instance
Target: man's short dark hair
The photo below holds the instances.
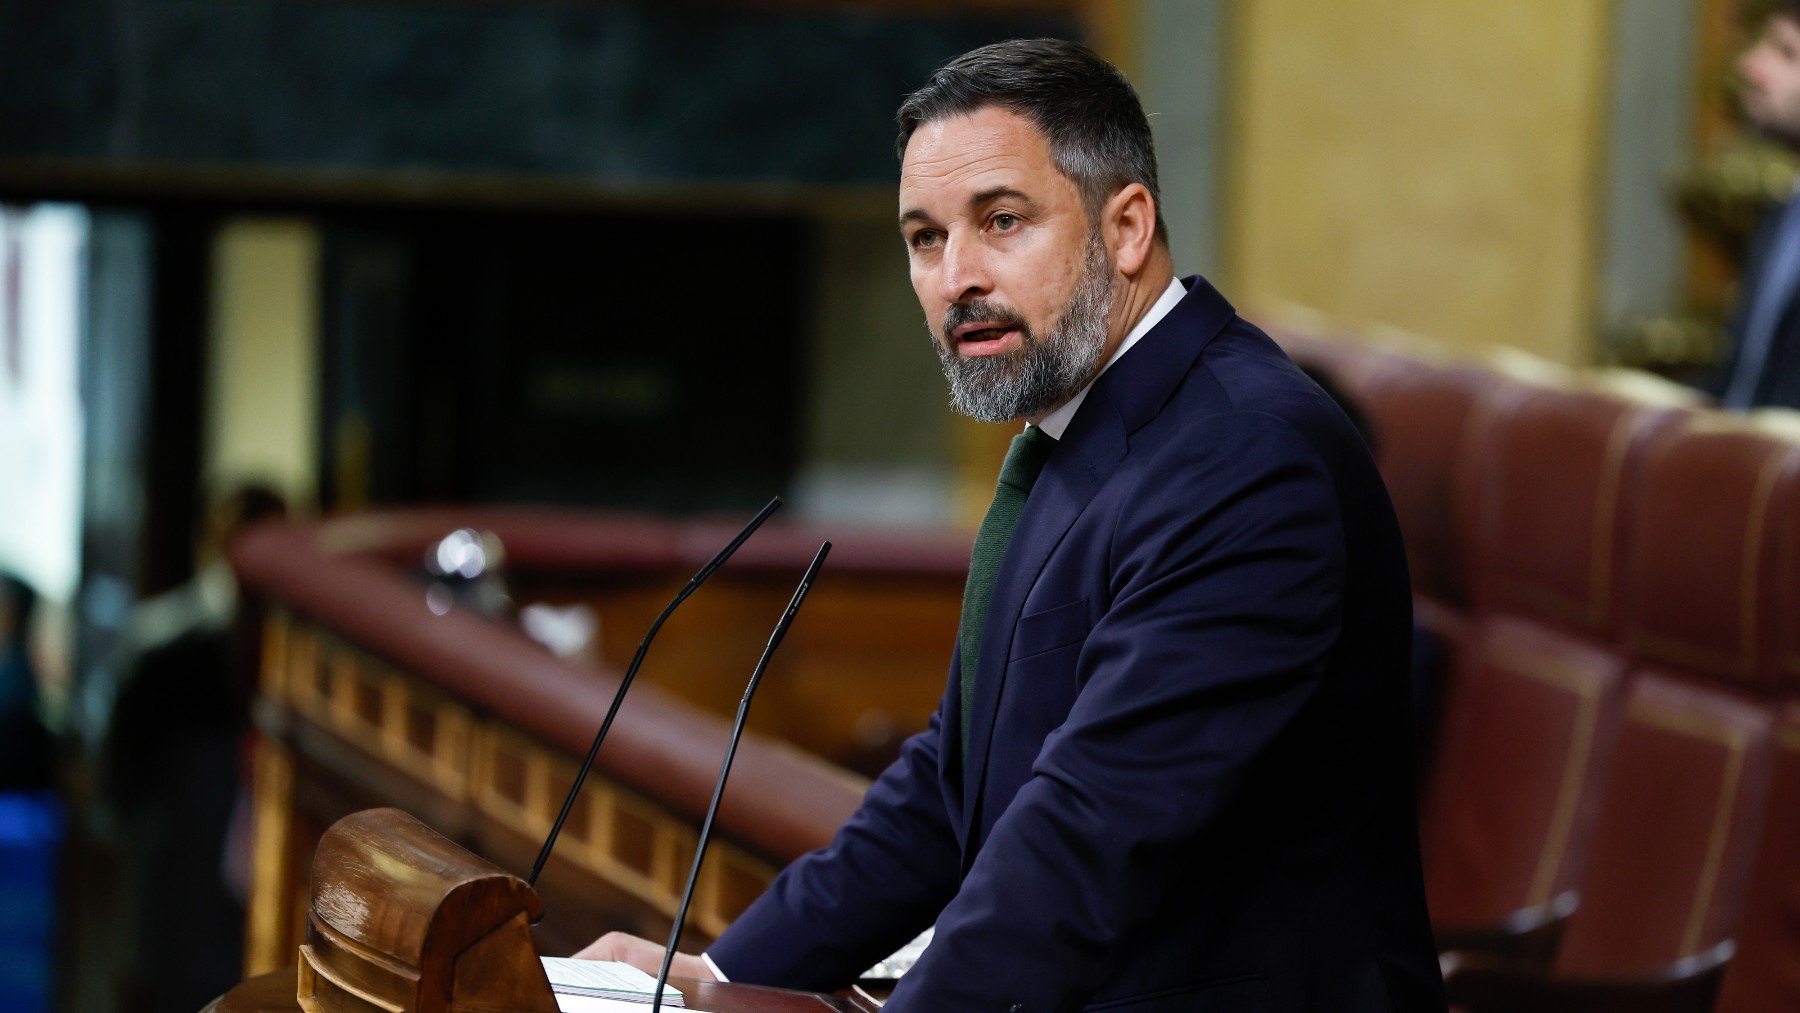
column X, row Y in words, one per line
column 1098, row 134
column 1754, row 15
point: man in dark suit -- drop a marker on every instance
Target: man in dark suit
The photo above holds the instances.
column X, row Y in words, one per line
column 1171, row 769
column 1762, row 366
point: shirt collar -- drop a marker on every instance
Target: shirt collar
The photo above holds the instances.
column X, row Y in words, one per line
column 1057, row 421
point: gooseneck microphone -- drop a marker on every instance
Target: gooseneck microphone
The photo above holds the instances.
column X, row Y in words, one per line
column 637, row 659
column 737, row 732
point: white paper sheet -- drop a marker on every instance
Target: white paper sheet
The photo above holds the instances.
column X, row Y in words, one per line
column 627, row 987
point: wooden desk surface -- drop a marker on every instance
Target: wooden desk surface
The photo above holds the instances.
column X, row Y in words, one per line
column 272, row 992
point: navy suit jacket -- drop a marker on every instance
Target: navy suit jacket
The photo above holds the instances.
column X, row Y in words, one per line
column 1190, row 784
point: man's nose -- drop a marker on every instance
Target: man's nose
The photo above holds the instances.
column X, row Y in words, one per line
column 965, row 274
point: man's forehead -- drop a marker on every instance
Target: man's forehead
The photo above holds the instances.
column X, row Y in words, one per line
column 959, row 156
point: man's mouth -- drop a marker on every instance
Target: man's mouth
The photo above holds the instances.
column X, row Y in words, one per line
column 995, row 338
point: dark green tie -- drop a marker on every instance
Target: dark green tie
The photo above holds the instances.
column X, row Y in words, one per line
column 1024, row 460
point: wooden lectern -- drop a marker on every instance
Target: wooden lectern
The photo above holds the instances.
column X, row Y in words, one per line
column 401, row 920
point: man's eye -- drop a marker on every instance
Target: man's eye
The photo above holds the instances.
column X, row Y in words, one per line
column 923, row 239
column 1005, row 222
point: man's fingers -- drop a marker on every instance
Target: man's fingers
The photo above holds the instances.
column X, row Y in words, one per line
column 644, row 955
column 624, row 947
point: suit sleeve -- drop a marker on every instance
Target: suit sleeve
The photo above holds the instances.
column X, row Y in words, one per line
column 884, row 877
column 1227, row 583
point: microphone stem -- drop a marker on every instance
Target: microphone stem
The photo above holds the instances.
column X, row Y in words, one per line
column 737, row 733
column 612, row 711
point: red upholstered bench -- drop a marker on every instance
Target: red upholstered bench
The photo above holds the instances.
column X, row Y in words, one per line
column 1764, row 974
column 1532, row 706
column 1687, row 785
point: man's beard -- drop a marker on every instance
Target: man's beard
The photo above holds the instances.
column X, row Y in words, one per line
column 1042, row 373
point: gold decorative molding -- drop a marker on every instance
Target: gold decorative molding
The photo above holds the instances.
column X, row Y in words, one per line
column 1686, row 341
column 1725, row 193
column 618, row 835
column 268, row 943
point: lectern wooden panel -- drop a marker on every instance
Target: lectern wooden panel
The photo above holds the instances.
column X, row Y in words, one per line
column 274, row 993
column 369, row 695
column 402, row 919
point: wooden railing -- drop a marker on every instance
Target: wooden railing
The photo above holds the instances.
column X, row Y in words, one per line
column 367, row 696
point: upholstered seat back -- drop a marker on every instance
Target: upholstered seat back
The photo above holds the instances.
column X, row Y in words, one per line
column 1553, row 489
column 1421, row 412
column 1764, row 975
column 1529, row 718
column 1676, row 829
column 1698, row 587
column 1531, row 705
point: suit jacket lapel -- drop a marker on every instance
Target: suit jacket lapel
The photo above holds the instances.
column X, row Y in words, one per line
column 1121, row 401
column 1075, row 471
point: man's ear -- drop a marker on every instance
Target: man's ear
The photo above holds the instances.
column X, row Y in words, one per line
column 1129, row 221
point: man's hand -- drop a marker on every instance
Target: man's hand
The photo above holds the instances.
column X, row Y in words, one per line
column 644, row 955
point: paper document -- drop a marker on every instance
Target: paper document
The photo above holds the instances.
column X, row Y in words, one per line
column 608, row 981
column 567, row 1003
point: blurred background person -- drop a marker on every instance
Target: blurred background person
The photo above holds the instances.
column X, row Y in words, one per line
column 24, row 742
column 1762, row 363
column 175, row 751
